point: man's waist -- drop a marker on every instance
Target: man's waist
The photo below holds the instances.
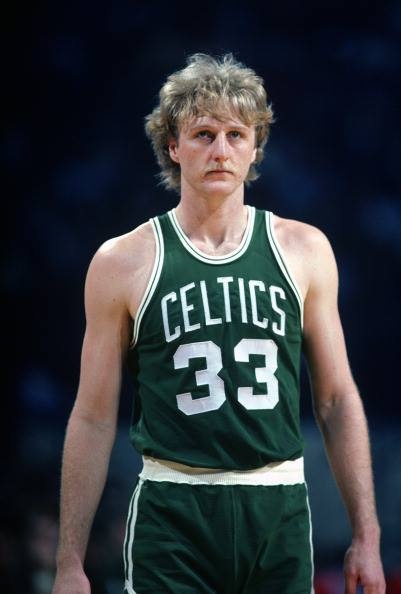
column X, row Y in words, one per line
column 289, row 472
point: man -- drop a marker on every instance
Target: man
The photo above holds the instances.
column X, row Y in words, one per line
column 222, row 297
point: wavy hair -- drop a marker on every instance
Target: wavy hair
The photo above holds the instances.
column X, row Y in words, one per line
column 207, row 86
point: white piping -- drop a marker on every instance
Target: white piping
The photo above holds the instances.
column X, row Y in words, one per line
column 128, row 561
column 153, row 281
column 310, row 542
column 202, row 256
column 282, row 264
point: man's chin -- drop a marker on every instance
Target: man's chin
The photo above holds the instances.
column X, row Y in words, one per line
column 219, row 187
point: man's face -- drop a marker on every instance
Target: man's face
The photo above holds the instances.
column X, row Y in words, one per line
column 214, row 154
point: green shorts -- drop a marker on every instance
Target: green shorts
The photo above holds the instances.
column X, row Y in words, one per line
column 218, row 537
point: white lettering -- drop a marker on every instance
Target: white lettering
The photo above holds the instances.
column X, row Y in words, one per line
column 252, row 286
column 177, row 331
column 186, row 308
column 244, row 315
column 209, row 321
column 201, row 305
column 224, row 280
column 278, row 329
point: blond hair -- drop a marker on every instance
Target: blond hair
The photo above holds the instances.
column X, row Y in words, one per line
column 207, row 86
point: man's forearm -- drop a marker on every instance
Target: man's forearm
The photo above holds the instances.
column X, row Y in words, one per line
column 346, row 438
column 85, row 463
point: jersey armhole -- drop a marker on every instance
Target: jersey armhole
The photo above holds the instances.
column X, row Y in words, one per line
column 153, row 281
column 278, row 254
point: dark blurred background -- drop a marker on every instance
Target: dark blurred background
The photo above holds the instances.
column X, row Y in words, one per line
column 78, row 79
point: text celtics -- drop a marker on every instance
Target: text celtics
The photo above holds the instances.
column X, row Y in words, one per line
column 233, row 299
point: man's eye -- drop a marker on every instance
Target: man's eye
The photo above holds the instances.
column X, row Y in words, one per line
column 204, row 134
column 235, row 134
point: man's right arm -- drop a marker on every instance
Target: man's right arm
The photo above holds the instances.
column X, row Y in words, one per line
column 92, row 424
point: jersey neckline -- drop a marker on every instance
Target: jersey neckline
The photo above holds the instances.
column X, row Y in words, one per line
column 209, row 259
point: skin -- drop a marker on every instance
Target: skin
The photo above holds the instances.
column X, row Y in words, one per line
column 214, row 157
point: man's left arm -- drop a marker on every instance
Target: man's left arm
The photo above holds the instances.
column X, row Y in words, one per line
column 340, row 415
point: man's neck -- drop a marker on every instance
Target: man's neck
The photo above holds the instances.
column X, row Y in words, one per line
column 214, row 221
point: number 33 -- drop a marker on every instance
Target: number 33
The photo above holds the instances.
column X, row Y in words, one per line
column 209, row 376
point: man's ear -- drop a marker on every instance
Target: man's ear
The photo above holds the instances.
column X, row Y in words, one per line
column 172, row 148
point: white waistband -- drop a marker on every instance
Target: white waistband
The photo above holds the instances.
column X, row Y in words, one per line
column 290, row 472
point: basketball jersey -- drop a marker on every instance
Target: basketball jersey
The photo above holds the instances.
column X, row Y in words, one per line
column 216, row 352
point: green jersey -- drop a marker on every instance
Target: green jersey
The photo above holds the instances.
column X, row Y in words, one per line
column 216, row 352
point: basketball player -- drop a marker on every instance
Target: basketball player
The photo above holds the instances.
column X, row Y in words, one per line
column 211, row 304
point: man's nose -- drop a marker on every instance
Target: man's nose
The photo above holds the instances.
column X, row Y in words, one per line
column 220, row 147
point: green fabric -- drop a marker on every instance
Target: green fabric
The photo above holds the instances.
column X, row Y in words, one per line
column 226, row 303
column 220, row 539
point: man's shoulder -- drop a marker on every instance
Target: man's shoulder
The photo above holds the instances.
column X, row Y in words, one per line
column 306, row 249
column 294, row 234
column 134, row 238
column 127, row 252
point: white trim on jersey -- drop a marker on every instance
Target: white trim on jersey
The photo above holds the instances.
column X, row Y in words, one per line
column 153, row 281
column 289, row 472
column 202, row 256
column 278, row 253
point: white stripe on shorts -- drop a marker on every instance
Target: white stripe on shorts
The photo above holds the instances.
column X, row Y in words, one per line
column 290, row 472
column 129, row 538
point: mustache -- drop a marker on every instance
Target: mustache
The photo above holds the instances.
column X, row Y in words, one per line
column 217, row 168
